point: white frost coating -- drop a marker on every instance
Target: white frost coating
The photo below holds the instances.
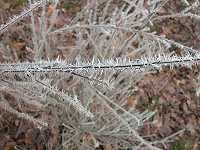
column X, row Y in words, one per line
column 23, row 14
column 142, row 64
column 73, row 101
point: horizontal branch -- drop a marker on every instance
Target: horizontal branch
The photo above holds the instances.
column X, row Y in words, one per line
column 111, row 64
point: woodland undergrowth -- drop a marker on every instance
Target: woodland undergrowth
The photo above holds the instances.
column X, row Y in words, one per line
column 111, row 47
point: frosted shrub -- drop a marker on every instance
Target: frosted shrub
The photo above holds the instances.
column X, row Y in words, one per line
column 112, row 48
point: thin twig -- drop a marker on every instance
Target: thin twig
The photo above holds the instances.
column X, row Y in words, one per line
column 15, row 19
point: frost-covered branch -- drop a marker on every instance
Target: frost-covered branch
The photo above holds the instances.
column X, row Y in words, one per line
column 142, row 64
column 23, row 14
column 73, row 101
column 5, row 106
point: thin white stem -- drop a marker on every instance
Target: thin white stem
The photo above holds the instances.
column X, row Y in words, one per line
column 35, row 37
column 15, row 19
column 142, row 64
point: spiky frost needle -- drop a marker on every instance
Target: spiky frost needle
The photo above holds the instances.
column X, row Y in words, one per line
column 155, row 62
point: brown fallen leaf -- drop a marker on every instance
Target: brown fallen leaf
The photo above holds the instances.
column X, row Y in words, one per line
column 108, row 147
column 50, row 10
column 132, row 101
column 10, row 146
column 18, row 45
